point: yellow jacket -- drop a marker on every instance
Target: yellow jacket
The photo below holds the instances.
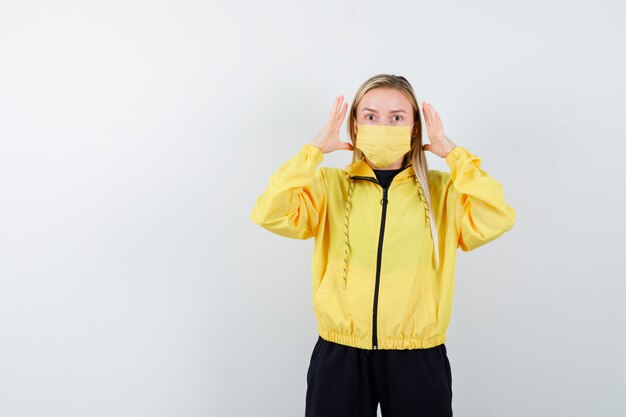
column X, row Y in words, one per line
column 375, row 284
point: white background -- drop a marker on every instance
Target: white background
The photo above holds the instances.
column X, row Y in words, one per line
column 135, row 137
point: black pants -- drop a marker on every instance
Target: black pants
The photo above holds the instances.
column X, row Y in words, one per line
column 343, row 381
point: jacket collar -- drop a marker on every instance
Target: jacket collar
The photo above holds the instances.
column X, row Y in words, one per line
column 361, row 168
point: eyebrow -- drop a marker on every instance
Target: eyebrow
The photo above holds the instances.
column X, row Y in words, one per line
column 374, row 111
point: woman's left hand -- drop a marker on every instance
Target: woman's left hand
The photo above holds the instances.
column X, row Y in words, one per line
column 439, row 144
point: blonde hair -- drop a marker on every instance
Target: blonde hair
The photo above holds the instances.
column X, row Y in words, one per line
column 415, row 155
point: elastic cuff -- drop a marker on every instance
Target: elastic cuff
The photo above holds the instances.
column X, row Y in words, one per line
column 312, row 151
column 456, row 153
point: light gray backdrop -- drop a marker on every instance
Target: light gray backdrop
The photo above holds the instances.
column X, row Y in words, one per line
column 137, row 135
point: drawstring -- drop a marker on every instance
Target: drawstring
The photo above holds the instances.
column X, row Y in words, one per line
column 346, row 239
column 424, row 202
column 429, row 224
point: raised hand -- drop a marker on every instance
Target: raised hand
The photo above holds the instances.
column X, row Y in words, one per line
column 439, row 144
column 328, row 138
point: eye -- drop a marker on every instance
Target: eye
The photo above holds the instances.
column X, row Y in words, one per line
column 400, row 118
column 367, row 116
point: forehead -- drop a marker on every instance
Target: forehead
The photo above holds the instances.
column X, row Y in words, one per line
column 384, row 100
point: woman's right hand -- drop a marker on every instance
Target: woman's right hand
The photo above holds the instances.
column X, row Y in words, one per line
column 328, row 138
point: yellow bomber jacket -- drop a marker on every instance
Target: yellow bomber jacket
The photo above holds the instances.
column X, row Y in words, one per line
column 374, row 279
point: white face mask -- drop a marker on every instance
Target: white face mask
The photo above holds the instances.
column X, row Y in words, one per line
column 382, row 144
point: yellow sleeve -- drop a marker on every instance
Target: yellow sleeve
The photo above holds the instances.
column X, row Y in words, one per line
column 482, row 214
column 295, row 196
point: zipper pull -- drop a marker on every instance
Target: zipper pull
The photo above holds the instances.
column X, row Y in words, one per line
column 384, row 199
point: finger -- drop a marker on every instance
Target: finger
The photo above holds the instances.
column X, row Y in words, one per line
column 426, row 118
column 330, row 123
column 434, row 118
column 333, row 109
column 336, row 122
column 439, row 123
column 339, row 109
column 436, row 121
column 343, row 113
column 431, row 117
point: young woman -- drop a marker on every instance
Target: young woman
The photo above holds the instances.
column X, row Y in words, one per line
column 386, row 234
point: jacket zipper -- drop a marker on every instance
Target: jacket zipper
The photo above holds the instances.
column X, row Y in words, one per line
column 383, row 202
